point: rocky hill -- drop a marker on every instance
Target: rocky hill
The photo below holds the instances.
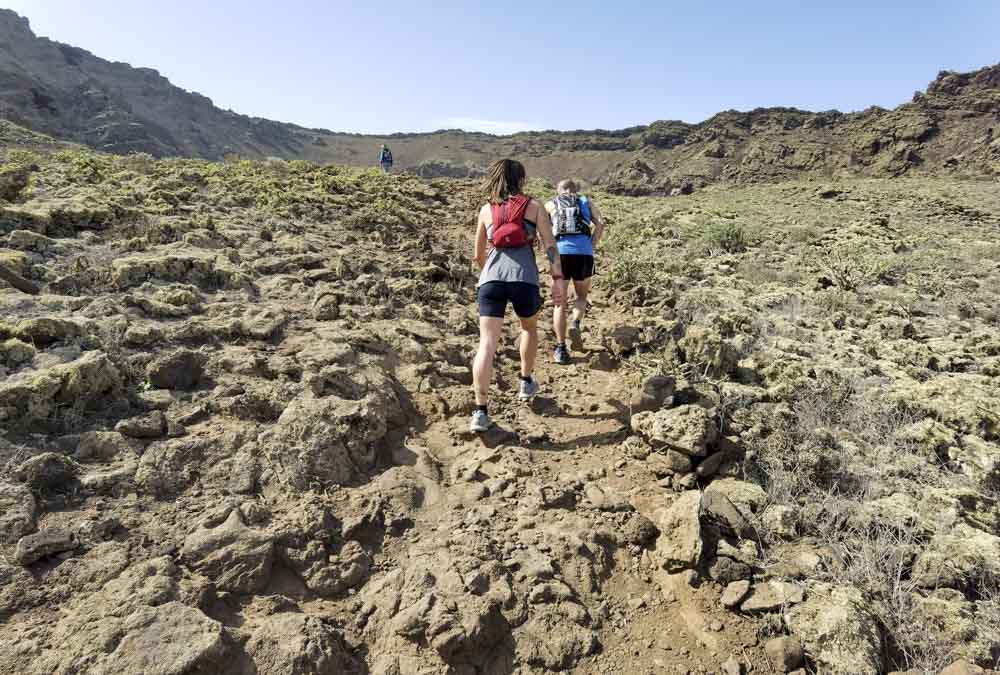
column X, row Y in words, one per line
column 233, row 408
column 71, row 94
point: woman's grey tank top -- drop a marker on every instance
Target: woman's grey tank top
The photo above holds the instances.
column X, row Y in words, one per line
column 510, row 264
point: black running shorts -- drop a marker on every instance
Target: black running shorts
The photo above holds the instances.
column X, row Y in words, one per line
column 494, row 296
column 577, row 267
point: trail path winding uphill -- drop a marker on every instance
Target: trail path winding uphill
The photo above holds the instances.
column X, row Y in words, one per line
column 655, row 622
column 554, row 492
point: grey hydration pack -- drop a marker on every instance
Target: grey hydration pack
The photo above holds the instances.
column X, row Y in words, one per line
column 568, row 216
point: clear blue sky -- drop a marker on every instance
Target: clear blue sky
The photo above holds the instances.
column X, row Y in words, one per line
column 377, row 66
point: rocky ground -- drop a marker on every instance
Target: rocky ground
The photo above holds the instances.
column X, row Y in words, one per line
column 234, row 431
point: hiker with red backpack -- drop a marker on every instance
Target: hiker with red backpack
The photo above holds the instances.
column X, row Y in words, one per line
column 505, row 235
column 577, row 227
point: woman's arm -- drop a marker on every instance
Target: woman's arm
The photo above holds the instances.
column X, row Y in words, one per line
column 598, row 220
column 548, row 241
column 479, row 250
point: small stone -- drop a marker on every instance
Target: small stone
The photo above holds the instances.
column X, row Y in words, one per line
column 962, row 668
column 734, row 594
column 732, row 667
column 34, row 547
column 182, row 369
column 772, row 596
column 153, row 425
column 785, row 653
column 710, row 465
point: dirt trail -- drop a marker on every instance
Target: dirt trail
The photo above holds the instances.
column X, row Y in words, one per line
column 656, row 622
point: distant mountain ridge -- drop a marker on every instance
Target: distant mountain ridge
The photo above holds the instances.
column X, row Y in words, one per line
column 951, row 128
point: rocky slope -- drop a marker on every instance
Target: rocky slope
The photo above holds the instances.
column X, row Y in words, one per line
column 951, row 129
column 233, row 431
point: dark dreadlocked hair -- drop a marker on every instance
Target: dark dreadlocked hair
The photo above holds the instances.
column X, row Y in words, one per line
column 504, row 179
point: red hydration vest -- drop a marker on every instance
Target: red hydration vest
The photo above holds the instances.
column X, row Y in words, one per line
column 508, row 223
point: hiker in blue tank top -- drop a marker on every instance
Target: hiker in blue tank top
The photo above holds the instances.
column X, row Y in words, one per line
column 578, row 227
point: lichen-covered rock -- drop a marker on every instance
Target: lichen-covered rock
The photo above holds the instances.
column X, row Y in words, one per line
column 838, row 630
column 34, row 397
column 203, row 270
column 705, row 349
column 14, row 352
column 958, row 558
column 688, row 429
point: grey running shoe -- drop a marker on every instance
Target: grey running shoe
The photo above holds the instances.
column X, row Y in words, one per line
column 528, row 389
column 561, row 356
column 575, row 338
column 480, row 422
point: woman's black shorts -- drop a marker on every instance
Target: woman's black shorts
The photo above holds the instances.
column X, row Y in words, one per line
column 494, row 296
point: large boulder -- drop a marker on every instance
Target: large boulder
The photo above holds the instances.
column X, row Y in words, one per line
column 236, row 557
column 679, row 545
column 296, row 644
column 839, row 632
column 688, row 429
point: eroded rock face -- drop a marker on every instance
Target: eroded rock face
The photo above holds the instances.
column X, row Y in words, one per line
column 182, row 369
column 296, row 644
column 330, row 434
column 236, row 557
column 172, row 639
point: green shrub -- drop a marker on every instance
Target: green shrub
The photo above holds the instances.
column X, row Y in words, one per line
column 725, row 237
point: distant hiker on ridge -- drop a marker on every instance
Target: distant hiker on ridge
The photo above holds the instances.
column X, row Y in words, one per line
column 385, row 158
column 577, row 227
column 504, row 250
